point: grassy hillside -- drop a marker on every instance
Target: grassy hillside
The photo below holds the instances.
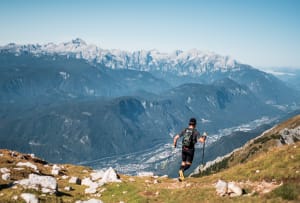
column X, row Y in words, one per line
column 269, row 173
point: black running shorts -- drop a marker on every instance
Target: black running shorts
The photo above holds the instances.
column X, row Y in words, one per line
column 188, row 155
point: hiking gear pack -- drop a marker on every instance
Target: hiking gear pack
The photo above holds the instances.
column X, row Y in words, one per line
column 187, row 140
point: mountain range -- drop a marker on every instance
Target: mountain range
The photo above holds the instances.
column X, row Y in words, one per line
column 73, row 101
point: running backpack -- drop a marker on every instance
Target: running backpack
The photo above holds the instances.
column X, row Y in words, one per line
column 187, row 140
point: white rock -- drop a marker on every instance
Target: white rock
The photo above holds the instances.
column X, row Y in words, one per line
column 27, row 164
column 221, row 187
column 75, row 180
column 18, row 169
column 68, row 188
column 1, row 155
column 110, row 175
column 15, row 197
column 89, row 201
column 55, row 170
column 87, row 182
column 4, row 170
column 92, row 186
column 97, row 175
column 64, row 177
column 48, row 184
column 145, row 174
column 90, row 190
column 6, row 176
column 29, row 198
column 234, row 189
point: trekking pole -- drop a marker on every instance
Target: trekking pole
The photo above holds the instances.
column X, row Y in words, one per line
column 203, row 153
column 203, row 148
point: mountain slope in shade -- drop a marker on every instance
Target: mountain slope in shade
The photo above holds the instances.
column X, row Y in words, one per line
column 107, row 127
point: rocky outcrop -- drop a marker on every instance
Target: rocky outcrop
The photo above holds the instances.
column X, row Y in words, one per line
column 47, row 184
column 290, row 136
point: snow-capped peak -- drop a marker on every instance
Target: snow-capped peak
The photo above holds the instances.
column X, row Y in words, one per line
column 180, row 62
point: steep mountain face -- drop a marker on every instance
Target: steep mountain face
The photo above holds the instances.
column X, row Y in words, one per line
column 29, row 77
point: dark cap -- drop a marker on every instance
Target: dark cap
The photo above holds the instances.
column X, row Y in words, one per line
column 193, row 121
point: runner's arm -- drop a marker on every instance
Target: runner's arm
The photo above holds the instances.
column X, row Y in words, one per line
column 175, row 140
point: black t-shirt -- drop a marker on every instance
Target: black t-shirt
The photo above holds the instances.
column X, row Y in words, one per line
column 195, row 135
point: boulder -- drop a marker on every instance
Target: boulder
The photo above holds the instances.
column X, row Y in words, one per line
column 232, row 189
column 92, row 186
column 221, row 187
column 110, row 175
column 75, row 180
column 6, row 176
column 47, row 184
column 29, row 198
column 55, row 170
column 28, row 164
column 96, row 175
column 4, row 170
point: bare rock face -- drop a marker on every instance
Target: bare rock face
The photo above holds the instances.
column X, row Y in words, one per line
column 290, row 136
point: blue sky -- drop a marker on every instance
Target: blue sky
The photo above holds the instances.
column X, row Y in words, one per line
column 261, row 33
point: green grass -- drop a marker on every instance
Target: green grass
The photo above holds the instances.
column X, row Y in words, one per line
column 288, row 191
